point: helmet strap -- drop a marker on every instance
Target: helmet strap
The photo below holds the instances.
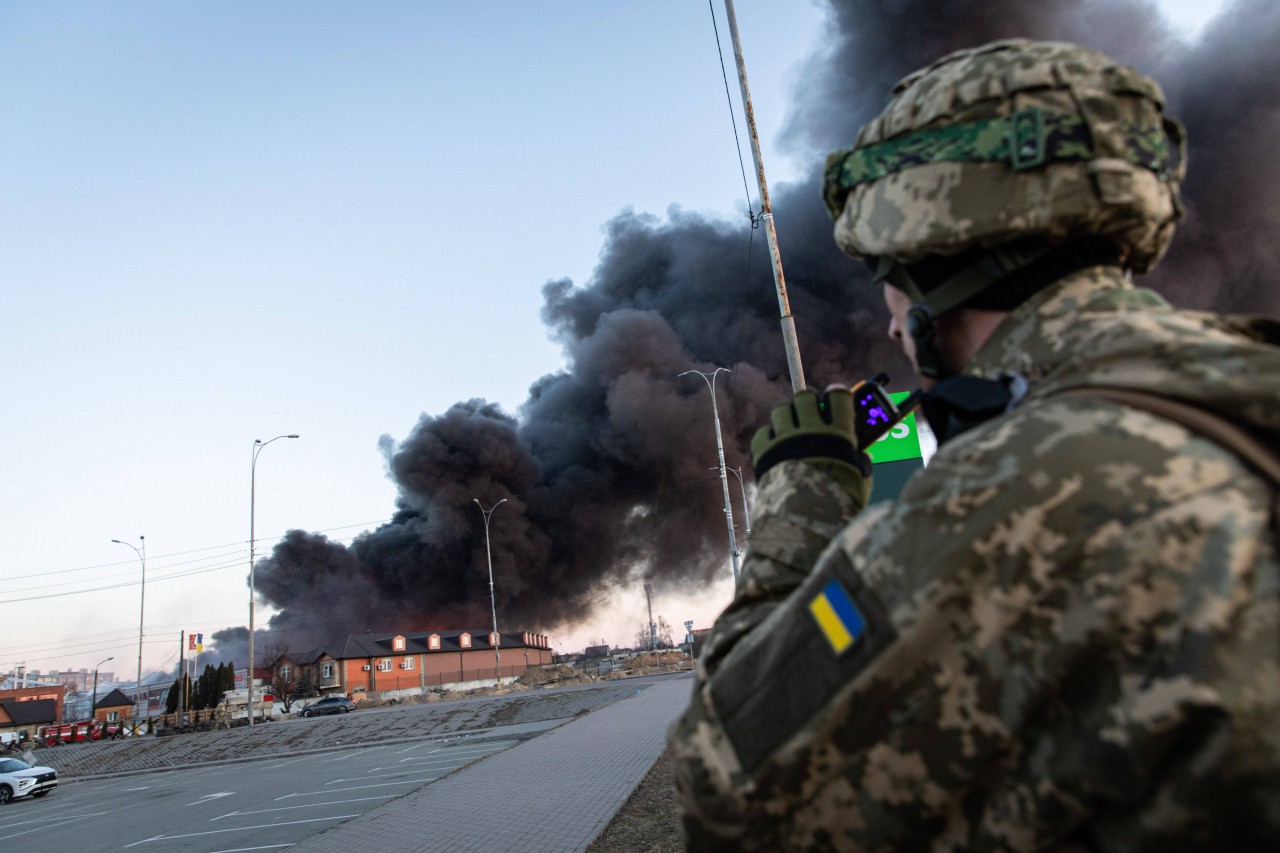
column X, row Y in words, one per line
column 987, row 267
column 922, row 325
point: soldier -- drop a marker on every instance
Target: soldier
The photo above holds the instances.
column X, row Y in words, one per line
column 1065, row 633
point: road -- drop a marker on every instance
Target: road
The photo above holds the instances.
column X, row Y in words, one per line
column 260, row 805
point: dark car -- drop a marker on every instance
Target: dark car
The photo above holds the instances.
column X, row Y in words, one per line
column 328, row 705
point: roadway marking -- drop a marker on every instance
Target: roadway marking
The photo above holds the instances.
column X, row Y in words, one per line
column 347, row 756
column 63, row 822
column 360, row 787
column 415, row 746
column 209, row 798
column 405, row 771
column 467, row 750
column 466, row 753
column 304, row 806
column 239, row 829
column 290, row 761
column 246, row 849
column 126, row 790
column 437, row 762
column 61, row 814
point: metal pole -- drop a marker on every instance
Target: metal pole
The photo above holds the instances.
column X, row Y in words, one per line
column 142, row 610
column 784, row 306
column 746, row 513
column 653, row 628
column 182, row 673
column 93, row 700
column 258, row 444
column 710, row 379
column 493, row 602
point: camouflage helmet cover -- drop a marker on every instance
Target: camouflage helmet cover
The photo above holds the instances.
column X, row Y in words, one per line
column 1015, row 139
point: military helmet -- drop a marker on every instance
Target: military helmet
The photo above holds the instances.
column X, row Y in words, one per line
column 1011, row 142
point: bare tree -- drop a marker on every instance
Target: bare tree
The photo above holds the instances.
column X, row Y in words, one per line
column 284, row 672
column 643, row 639
column 664, row 634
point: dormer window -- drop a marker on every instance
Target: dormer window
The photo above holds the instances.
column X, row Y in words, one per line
column 433, row 642
column 397, row 643
column 465, row 641
column 493, row 639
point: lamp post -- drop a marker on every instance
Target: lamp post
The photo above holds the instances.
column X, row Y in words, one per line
column 493, row 603
column 710, row 379
column 746, row 514
column 142, row 610
column 258, row 444
column 93, row 700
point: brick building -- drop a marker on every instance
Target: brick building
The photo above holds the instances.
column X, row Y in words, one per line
column 113, row 707
column 55, row 693
column 379, row 663
column 26, row 716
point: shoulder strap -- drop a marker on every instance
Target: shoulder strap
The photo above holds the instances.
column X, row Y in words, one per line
column 1265, row 460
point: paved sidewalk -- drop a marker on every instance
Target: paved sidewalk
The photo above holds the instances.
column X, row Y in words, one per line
column 556, row 792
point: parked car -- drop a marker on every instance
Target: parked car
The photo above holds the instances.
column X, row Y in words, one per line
column 20, row 779
column 328, row 705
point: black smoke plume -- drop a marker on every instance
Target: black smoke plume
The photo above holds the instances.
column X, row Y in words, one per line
column 605, row 468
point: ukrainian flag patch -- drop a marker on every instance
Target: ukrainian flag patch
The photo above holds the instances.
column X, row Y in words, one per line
column 837, row 617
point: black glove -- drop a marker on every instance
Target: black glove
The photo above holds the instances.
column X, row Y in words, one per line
column 817, row 430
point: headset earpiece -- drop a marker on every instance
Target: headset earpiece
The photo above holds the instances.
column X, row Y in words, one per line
column 923, row 329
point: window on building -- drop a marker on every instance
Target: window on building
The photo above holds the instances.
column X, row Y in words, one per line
column 327, row 671
column 433, row 642
column 384, row 665
column 285, row 672
column 465, row 641
column 397, row 644
column 407, row 663
column 113, row 716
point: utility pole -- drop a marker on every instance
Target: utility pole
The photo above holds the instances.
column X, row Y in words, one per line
column 182, row 674
column 766, row 214
column 653, row 627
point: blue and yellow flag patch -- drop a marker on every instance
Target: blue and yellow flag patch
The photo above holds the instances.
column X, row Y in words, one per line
column 837, row 617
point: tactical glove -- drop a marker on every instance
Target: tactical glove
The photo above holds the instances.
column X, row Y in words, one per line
column 817, row 430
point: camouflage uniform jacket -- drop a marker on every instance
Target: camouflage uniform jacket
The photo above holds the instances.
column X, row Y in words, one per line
column 1064, row 634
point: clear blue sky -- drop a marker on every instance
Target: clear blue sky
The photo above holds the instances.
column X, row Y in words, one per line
column 222, row 222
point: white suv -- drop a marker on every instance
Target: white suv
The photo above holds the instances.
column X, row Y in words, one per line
column 20, row 779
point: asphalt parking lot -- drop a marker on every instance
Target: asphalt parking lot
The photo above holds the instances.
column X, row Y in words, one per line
column 258, row 805
column 537, row 771
column 291, row 736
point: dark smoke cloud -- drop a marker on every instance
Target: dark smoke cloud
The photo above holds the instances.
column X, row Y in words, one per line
column 605, row 468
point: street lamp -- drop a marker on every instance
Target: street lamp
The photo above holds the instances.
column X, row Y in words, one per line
column 710, row 379
column 746, row 513
column 497, row 654
column 258, row 444
column 142, row 609
column 93, row 701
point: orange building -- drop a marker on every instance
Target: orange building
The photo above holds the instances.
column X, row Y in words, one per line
column 378, row 663
column 113, row 708
column 43, row 691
